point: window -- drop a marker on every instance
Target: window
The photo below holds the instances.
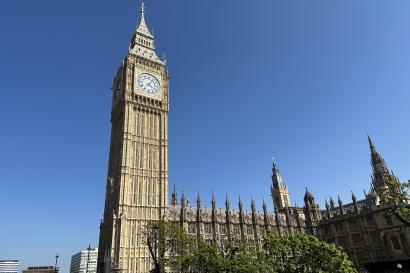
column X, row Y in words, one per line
column 208, row 228
column 191, row 227
column 370, row 220
column 149, row 191
column 154, row 159
column 222, row 229
column 285, row 198
column 389, row 221
column 339, row 227
column 133, row 235
column 141, row 159
column 149, row 158
column 251, row 245
column 396, row 243
column 375, row 237
column 249, row 230
column 353, row 224
column 236, row 230
column 140, row 191
column 357, row 239
column 151, row 126
column 362, row 256
column 327, row 230
column 379, row 254
column 155, row 127
column 343, row 241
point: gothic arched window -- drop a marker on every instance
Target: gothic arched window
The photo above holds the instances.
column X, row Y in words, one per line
column 396, row 243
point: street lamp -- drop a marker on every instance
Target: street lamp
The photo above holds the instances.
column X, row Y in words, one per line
column 55, row 266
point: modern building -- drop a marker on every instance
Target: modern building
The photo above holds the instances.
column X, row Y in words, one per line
column 84, row 261
column 9, row 266
column 41, row 269
column 137, row 186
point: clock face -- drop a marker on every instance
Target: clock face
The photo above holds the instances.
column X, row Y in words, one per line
column 148, row 84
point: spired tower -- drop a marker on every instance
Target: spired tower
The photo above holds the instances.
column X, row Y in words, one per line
column 381, row 174
column 279, row 190
column 137, row 182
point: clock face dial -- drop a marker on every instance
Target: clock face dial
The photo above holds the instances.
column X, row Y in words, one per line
column 148, row 84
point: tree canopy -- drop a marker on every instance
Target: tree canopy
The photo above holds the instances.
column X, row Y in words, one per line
column 399, row 197
column 172, row 248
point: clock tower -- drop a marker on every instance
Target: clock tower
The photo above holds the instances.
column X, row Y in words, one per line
column 137, row 180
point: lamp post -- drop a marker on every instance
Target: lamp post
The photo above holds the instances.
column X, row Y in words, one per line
column 88, row 257
column 55, row 265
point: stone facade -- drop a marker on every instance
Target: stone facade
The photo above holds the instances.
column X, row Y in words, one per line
column 137, row 186
column 137, row 183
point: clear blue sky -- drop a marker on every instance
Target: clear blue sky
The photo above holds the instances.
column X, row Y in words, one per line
column 300, row 81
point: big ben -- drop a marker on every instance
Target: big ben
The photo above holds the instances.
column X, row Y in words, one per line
column 137, row 180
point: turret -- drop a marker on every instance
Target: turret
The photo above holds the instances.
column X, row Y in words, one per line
column 381, row 174
column 228, row 220
column 265, row 217
column 312, row 213
column 174, row 199
column 198, row 217
column 309, row 199
column 327, row 209
column 340, row 205
column 183, row 210
column 354, row 200
column 241, row 221
column 213, row 202
column 254, row 224
column 332, row 203
column 198, row 201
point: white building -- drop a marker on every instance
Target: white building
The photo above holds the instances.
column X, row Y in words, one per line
column 9, row 266
column 79, row 261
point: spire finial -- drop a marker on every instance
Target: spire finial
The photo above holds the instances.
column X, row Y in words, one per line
column 174, row 199
column 142, row 8
column 332, row 203
column 198, row 199
column 370, row 140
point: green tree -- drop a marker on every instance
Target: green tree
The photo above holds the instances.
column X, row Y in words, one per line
column 169, row 246
column 303, row 254
column 399, row 195
column 206, row 258
column 172, row 248
column 244, row 262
